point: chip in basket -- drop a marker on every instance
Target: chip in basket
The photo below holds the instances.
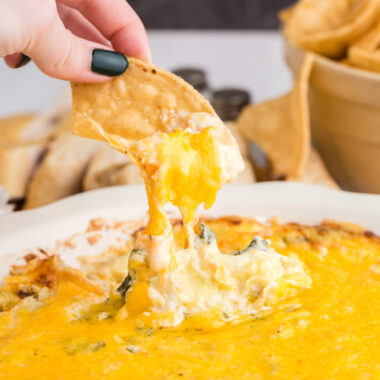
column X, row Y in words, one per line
column 281, row 127
column 365, row 53
column 328, row 27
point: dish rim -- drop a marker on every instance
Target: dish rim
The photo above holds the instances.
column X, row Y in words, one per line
column 291, row 201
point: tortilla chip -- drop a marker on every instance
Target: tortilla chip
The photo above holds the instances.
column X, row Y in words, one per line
column 109, row 167
column 281, row 127
column 285, row 14
column 247, row 175
column 16, row 164
column 243, row 143
column 365, row 53
column 133, row 105
column 315, row 172
column 11, row 128
column 24, row 143
column 128, row 174
column 328, row 27
column 61, row 171
column 45, row 126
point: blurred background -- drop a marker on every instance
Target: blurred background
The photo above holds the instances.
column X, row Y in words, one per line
column 210, row 14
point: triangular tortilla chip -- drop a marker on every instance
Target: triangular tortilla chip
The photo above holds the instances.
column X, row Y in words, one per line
column 16, row 163
column 328, row 27
column 281, row 127
column 61, row 171
column 12, row 127
column 133, row 105
column 108, row 167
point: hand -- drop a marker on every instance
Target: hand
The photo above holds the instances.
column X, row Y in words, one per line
column 62, row 37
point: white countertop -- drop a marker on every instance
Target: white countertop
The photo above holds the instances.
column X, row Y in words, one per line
column 245, row 59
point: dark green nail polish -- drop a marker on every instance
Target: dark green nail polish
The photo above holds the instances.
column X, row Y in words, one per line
column 25, row 59
column 110, row 63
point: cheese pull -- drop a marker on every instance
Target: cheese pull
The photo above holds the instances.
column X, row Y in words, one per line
column 184, row 151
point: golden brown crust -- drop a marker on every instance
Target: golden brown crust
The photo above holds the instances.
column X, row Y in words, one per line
column 237, row 223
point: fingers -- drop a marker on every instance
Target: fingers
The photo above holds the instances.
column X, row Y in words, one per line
column 80, row 26
column 118, row 22
column 82, row 54
column 61, row 54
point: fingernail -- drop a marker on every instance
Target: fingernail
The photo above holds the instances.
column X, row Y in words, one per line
column 110, row 63
column 24, row 60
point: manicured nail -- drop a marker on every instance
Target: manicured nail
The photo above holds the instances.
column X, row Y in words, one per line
column 24, row 60
column 110, row 63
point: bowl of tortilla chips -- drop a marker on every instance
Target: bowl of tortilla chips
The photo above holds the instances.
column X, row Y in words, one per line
column 343, row 38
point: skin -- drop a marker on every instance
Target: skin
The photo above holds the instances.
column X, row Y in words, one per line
column 60, row 35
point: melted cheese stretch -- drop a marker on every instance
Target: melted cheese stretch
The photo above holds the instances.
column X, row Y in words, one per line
column 330, row 331
column 185, row 166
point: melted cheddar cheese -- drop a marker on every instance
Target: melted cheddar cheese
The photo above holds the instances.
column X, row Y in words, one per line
column 331, row 330
column 189, row 174
column 186, row 165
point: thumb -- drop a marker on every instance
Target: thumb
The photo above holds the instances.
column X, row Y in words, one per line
column 61, row 54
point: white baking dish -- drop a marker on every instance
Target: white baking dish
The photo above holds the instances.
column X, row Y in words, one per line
column 290, row 201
